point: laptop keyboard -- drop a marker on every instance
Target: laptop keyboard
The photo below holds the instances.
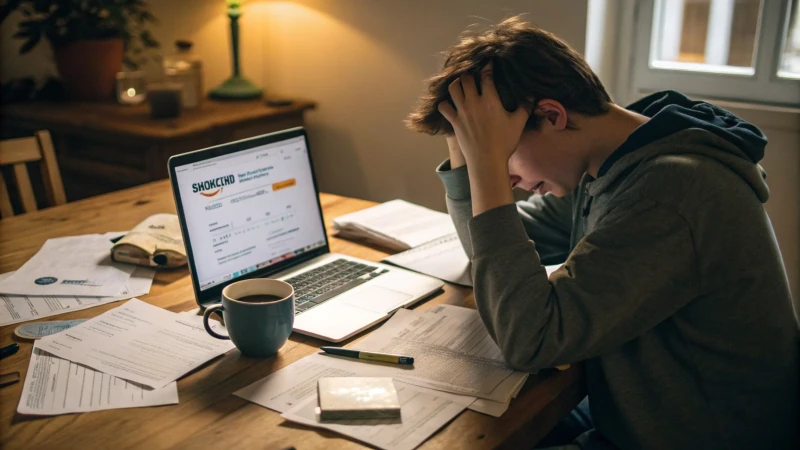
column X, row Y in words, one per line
column 321, row 284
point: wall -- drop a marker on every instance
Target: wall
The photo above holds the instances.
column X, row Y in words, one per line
column 363, row 61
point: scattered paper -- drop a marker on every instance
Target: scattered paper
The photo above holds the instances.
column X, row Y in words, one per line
column 423, row 412
column 443, row 258
column 287, row 387
column 396, row 224
column 138, row 342
column 56, row 386
column 496, row 409
column 20, row 308
column 74, row 265
column 453, row 352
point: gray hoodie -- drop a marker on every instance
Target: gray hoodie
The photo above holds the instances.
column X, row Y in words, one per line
column 672, row 292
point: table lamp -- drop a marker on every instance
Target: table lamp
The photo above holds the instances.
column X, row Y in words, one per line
column 236, row 87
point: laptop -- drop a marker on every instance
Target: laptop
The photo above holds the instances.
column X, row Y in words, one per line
column 251, row 209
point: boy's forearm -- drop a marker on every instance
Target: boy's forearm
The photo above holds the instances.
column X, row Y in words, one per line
column 490, row 185
column 456, row 156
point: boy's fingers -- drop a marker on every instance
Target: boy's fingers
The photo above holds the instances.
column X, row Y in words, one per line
column 456, row 92
column 468, row 84
column 448, row 112
column 487, row 82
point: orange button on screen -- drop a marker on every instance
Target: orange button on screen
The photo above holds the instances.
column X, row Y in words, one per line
column 283, row 184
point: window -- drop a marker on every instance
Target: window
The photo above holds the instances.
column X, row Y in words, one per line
column 742, row 50
column 790, row 53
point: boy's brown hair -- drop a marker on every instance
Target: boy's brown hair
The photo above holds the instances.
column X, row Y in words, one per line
column 528, row 64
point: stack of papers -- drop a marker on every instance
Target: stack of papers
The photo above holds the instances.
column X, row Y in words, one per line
column 423, row 411
column 58, row 386
column 129, row 356
column 69, row 274
column 457, row 366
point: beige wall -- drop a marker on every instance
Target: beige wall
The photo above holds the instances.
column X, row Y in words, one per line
column 363, row 61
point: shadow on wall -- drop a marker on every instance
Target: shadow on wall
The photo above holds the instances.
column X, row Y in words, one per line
column 427, row 15
column 345, row 156
column 365, row 63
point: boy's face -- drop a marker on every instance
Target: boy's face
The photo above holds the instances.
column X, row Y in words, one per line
column 545, row 161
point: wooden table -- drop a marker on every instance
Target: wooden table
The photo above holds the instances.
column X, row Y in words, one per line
column 103, row 147
column 208, row 415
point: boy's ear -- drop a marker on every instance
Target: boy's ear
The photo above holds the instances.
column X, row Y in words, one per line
column 553, row 112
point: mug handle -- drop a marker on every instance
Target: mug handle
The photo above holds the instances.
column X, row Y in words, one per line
column 214, row 309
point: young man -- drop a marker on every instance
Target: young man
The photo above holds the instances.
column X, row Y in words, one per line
column 672, row 291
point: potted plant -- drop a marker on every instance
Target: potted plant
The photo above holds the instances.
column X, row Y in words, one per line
column 90, row 39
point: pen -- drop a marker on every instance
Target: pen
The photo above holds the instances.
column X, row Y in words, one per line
column 9, row 350
column 370, row 356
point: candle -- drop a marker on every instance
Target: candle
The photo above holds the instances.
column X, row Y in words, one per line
column 131, row 88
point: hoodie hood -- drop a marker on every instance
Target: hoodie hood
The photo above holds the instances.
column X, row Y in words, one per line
column 716, row 133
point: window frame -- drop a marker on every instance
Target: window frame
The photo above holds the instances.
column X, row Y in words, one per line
column 764, row 86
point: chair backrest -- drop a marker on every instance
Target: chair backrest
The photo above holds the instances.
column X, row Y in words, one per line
column 18, row 152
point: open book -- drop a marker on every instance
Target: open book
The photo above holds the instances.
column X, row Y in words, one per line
column 426, row 238
column 396, row 225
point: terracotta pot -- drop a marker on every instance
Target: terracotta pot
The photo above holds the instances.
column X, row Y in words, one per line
column 89, row 68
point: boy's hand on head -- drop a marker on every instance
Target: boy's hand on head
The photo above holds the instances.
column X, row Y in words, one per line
column 486, row 132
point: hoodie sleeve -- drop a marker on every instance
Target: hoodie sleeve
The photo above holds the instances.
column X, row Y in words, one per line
column 634, row 270
column 547, row 220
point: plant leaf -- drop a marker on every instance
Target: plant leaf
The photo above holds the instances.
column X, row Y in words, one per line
column 28, row 46
column 7, row 7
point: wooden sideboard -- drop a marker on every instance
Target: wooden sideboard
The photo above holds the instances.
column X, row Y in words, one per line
column 104, row 147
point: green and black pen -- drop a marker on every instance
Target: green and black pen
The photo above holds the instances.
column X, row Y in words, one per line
column 369, row 356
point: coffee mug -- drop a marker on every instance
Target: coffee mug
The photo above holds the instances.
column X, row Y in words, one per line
column 258, row 313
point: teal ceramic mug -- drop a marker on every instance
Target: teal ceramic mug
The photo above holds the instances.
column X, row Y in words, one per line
column 258, row 314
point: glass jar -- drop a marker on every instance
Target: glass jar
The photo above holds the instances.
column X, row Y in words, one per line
column 131, row 87
column 185, row 68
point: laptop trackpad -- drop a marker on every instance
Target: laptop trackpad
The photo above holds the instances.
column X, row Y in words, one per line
column 375, row 298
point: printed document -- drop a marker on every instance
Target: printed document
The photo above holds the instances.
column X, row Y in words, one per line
column 57, row 386
column 287, row 387
column 452, row 350
column 396, row 224
column 443, row 258
column 138, row 342
column 423, row 412
column 496, row 409
column 19, row 308
column 74, row 265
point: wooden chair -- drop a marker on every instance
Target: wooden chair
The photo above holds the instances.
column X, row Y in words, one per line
column 18, row 152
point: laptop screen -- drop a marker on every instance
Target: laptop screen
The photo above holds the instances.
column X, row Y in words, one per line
column 248, row 210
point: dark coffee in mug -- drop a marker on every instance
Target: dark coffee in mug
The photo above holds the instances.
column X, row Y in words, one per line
column 259, row 298
column 258, row 315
